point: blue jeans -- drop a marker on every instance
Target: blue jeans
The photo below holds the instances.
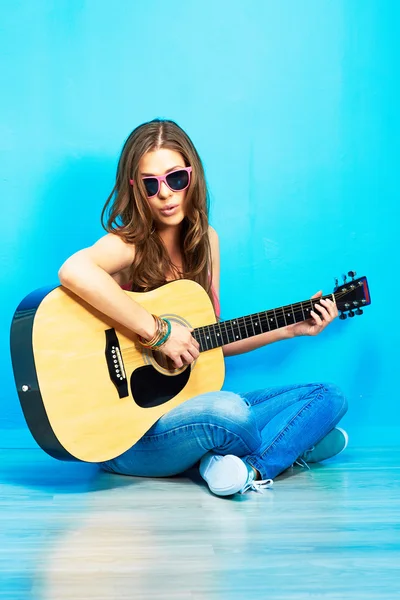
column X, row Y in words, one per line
column 269, row 429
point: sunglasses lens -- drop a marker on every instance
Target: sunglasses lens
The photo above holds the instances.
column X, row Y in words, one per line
column 178, row 180
column 151, row 185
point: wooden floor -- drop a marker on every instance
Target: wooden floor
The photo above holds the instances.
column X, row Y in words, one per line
column 70, row 531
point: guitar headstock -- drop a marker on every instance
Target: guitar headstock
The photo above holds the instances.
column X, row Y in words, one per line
column 352, row 296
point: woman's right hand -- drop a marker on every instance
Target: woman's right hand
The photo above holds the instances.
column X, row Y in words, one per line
column 181, row 347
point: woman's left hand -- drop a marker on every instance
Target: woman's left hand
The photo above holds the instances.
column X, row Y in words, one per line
column 324, row 314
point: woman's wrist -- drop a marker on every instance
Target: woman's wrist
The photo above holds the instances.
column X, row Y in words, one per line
column 161, row 335
column 149, row 330
column 287, row 332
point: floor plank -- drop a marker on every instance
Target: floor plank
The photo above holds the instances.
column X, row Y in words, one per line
column 69, row 531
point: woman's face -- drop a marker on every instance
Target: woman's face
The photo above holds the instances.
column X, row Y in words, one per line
column 168, row 207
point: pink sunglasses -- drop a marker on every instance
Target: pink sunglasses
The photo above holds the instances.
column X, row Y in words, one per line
column 177, row 181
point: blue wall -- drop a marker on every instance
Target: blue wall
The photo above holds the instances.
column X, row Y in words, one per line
column 293, row 107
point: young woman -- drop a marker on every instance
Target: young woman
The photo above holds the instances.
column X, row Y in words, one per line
column 158, row 231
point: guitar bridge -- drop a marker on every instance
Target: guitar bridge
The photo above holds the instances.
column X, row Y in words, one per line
column 115, row 363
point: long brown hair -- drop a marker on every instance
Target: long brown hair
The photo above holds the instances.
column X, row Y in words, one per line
column 129, row 215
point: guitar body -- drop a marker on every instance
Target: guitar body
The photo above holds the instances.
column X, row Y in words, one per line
column 88, row 389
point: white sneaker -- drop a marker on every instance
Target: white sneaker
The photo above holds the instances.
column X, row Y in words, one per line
column 227, row 475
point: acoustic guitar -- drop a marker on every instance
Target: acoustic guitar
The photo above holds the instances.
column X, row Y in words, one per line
column 89, row 390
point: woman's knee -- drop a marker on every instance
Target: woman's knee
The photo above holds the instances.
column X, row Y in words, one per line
column 336, row 400
column 224, row 408
column 229, row 419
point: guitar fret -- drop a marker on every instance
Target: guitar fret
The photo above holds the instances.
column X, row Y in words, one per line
column 197, row 336
column 213, row 336
column 290, row 315
column 216, row 336
column 215, row 333
column 236, row 337
column 276, row 320
column 227, row 335
column 263, row 325
column 231, row 335
column 252, row 324
column 244, row 322
column 270, row 319
column 279, row 322
column 206, row 338
column 293, row 314
column 257, row 323
column 302, row 310
column 219, row 335
column 298, row 312
column 210, row 335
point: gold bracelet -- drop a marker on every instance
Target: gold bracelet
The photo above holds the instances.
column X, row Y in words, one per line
column 156, row 335
column 162, row 328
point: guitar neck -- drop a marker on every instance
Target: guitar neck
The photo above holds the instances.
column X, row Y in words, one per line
column 241, row 328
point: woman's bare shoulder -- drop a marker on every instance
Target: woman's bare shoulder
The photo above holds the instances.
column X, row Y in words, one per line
column 114, row 242
column 112, row 253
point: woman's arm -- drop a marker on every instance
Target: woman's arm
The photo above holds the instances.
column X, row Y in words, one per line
column 326, row 313
column 89, row 274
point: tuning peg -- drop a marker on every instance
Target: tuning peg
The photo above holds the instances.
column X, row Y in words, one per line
column 343, row 316
column 336, row 284
column 359, row 311
column 351, row 314
column 352, row 274
column 344, row 277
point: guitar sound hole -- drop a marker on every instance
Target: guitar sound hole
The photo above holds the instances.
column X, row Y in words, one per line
column 151, row 388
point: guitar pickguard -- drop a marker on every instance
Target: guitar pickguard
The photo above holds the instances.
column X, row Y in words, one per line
column 151, row 388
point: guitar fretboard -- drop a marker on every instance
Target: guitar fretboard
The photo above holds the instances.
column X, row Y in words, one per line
column 226, row 332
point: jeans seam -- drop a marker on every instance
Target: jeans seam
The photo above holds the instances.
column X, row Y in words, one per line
column 191, row 427
column 281, row 391
column 303, row 408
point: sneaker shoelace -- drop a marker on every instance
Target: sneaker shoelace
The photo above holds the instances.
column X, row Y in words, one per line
column 256, row 485
column 307, row 453
column 302, row 463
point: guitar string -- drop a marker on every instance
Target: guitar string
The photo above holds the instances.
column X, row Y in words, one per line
column 242, row 327
column 249, row 318
column 238, row 327
column 242, row 322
